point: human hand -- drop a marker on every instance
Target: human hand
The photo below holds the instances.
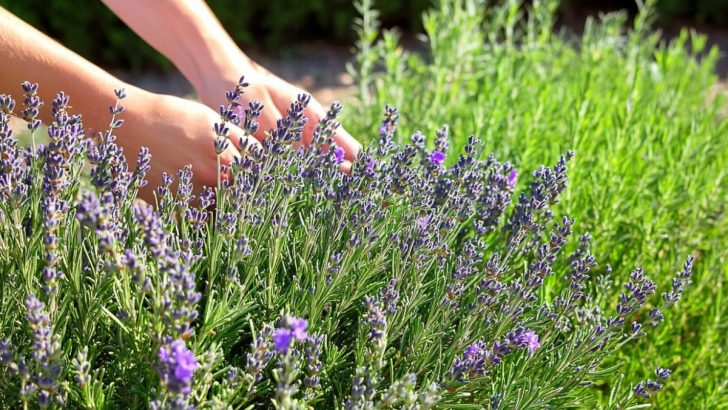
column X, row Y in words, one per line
column 189, row 34
column 276, row 95
column 177, row 132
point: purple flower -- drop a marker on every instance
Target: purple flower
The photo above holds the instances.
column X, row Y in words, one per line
column 512, row 179
column 142, row 167
column 12, row 171
column 250, row 123
column 653, row 385
column 239, row 113
column 531, row 339
column 656, row 316
column 45, row 351
column 298, row 328
column 242, row 246
column 260, row 354
column 179, row 297
column 663, row 373
column 312, row 354
column 418, row 140
column 221, row 144
column 178, row 365
column 370, row 166
column 339, row 154
column 423, row 222
column 377, row 321
column 293, row 329
column 390, row 296
column 472, row 362
column 525, row 338
column 383, row 129
column 681, row 280
column 282, row 340
column 474, row 350
column 388, row 127
column 31, row 104
column 641, row 390
column 437, row 157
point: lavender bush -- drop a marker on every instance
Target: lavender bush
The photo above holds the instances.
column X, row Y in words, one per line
column 408, row 283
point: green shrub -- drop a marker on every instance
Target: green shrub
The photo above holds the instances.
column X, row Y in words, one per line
column 651, row 145
column 405, row 283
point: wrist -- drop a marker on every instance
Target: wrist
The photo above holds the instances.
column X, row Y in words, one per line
column 221, row 73
column 213, row 60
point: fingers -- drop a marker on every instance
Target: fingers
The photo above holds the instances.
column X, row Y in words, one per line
column 345, row 166
column 313, row 113
column 268, row 119
column 241, row 144
column 278, row 99
column 343, row 139
column 242, row 141
column 350, row 145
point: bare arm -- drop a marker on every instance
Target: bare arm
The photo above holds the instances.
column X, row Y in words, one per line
column 176, row 131
column 187, row 33
column 31, row 55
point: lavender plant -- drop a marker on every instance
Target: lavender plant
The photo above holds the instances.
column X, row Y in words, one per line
column 408, row 283
column 645, row 113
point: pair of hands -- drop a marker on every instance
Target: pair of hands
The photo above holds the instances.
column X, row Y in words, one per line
column 179, row 131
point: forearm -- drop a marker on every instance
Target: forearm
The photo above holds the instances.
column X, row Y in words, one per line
column 186, row 32
column 30, row 55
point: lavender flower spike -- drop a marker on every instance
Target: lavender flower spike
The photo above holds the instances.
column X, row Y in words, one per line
column 512, row 179
column 293, row 329
column 437, row 158
column 177, row 366
column 525, row 338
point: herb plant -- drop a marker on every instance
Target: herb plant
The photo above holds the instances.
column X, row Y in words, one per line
column 646, row 116
column 408, row 283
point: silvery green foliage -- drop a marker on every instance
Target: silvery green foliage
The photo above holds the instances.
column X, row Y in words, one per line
column 408, row 283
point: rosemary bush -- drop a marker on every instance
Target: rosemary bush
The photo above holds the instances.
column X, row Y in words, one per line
column 650, row 176
column 408, row 283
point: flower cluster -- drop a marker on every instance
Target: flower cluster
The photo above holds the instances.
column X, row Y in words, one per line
column 44, row 376
column 177, row 283
column 479, row 356
column 644, row 388
column 312, row 352
column 12, row 171
column 292, row 329
column 177, row 365
column 65, row 136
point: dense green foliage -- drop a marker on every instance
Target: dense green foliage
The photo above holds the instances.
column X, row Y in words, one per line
column 651, row 148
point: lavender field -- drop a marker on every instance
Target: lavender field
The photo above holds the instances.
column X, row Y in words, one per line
column 533, row 222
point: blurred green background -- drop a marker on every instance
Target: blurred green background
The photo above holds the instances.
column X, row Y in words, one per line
column 90, row 29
